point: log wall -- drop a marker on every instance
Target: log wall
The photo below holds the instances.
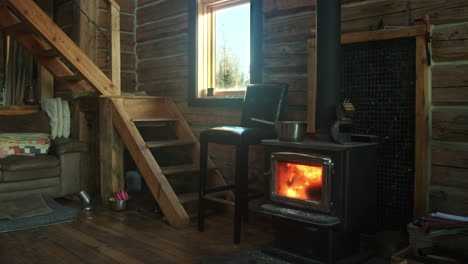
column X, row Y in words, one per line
column 162, row 68
column 95, row 42
column 127, row 41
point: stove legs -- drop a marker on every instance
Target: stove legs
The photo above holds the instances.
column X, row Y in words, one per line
column 331, row 259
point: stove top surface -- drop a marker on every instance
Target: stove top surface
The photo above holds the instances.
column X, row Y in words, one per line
column 317, row 144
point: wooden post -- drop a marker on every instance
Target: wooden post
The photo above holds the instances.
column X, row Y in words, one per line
column 113, row 12
column 110, row 152
column 111, row 145
column 422, row 128
column 83, row 126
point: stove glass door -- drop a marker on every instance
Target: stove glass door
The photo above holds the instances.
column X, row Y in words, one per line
column 301, row 180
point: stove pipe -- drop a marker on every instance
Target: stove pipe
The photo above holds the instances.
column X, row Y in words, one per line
column 328, row 64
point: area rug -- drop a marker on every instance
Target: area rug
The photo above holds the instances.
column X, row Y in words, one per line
column 259, row 256
column 24, row 207
column 250, row 256
column 52, row 213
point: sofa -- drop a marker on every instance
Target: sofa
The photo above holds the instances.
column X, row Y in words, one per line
column 55, row 174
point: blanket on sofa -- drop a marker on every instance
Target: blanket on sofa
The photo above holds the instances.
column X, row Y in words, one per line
column 29, row 144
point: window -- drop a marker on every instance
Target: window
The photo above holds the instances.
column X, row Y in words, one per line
column 225, row 40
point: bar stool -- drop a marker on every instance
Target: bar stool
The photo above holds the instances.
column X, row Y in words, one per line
column 261, row 101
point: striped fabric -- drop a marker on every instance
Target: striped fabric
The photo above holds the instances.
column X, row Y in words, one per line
column 29, row 144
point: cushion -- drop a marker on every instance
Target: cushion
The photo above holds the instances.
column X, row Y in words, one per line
column 19, row 163
column 62, row 146
column 24, row 175
column 30, row 123
column 29, row 144
column 49, row 105
column 58, row 101
column 66, row 119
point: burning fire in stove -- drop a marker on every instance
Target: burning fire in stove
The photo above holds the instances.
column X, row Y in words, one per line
column 299, row 181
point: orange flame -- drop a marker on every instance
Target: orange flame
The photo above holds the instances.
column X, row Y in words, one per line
column 299, row 181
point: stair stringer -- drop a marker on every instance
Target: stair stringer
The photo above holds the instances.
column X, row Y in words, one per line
column 148, row 167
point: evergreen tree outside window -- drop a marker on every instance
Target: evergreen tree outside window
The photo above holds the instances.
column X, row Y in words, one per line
column 224, row 48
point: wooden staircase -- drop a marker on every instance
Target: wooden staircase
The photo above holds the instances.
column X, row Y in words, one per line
column 137, row 112
column 44, row 40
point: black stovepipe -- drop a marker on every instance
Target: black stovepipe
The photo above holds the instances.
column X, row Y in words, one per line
column 328, row 64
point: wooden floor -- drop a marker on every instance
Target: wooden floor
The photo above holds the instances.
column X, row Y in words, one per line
column 103, row 236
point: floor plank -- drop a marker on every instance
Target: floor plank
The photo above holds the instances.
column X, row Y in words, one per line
column 133, row 236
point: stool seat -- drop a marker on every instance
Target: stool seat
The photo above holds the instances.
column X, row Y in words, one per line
column 236, row 135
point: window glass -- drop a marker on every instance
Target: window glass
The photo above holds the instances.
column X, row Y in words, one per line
column 232, row 47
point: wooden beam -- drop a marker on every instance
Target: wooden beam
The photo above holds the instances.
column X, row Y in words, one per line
column 35, row 47
column 110, row 152
column 383, row 34
column 30, row 12
column 148, row 167
column 422, row 127
column 113, row 11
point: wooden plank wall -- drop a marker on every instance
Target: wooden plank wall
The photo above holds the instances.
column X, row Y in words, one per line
column 66, row 16
column 161, row 49
column 127, row 42
column 449, row 179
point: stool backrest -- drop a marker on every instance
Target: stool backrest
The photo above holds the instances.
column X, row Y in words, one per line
column 265, row 102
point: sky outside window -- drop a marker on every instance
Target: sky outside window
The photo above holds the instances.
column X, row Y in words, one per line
column 232, row 47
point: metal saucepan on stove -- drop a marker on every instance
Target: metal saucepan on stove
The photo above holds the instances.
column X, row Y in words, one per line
column 287, row 130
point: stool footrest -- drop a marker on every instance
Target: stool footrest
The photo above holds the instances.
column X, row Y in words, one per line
column 220, row 189
column 255, row 196
column 218, row 200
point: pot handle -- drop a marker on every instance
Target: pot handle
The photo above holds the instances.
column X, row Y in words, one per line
column 263, row 121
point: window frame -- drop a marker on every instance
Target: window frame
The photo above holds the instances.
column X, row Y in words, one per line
column 256, row 32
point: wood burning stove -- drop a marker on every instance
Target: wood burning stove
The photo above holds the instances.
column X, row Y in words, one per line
column 322, row 196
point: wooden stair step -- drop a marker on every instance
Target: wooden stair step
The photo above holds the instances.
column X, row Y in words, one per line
column 169, row 143
column 49, row 53
column 156, row 119
column 187, row 197
column 153, row 122
column 185, row 168
column 19, row 27
column 171, row 170
column 75, row 77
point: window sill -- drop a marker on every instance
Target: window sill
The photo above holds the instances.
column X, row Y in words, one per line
column 217, row 102
column 229, row 93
